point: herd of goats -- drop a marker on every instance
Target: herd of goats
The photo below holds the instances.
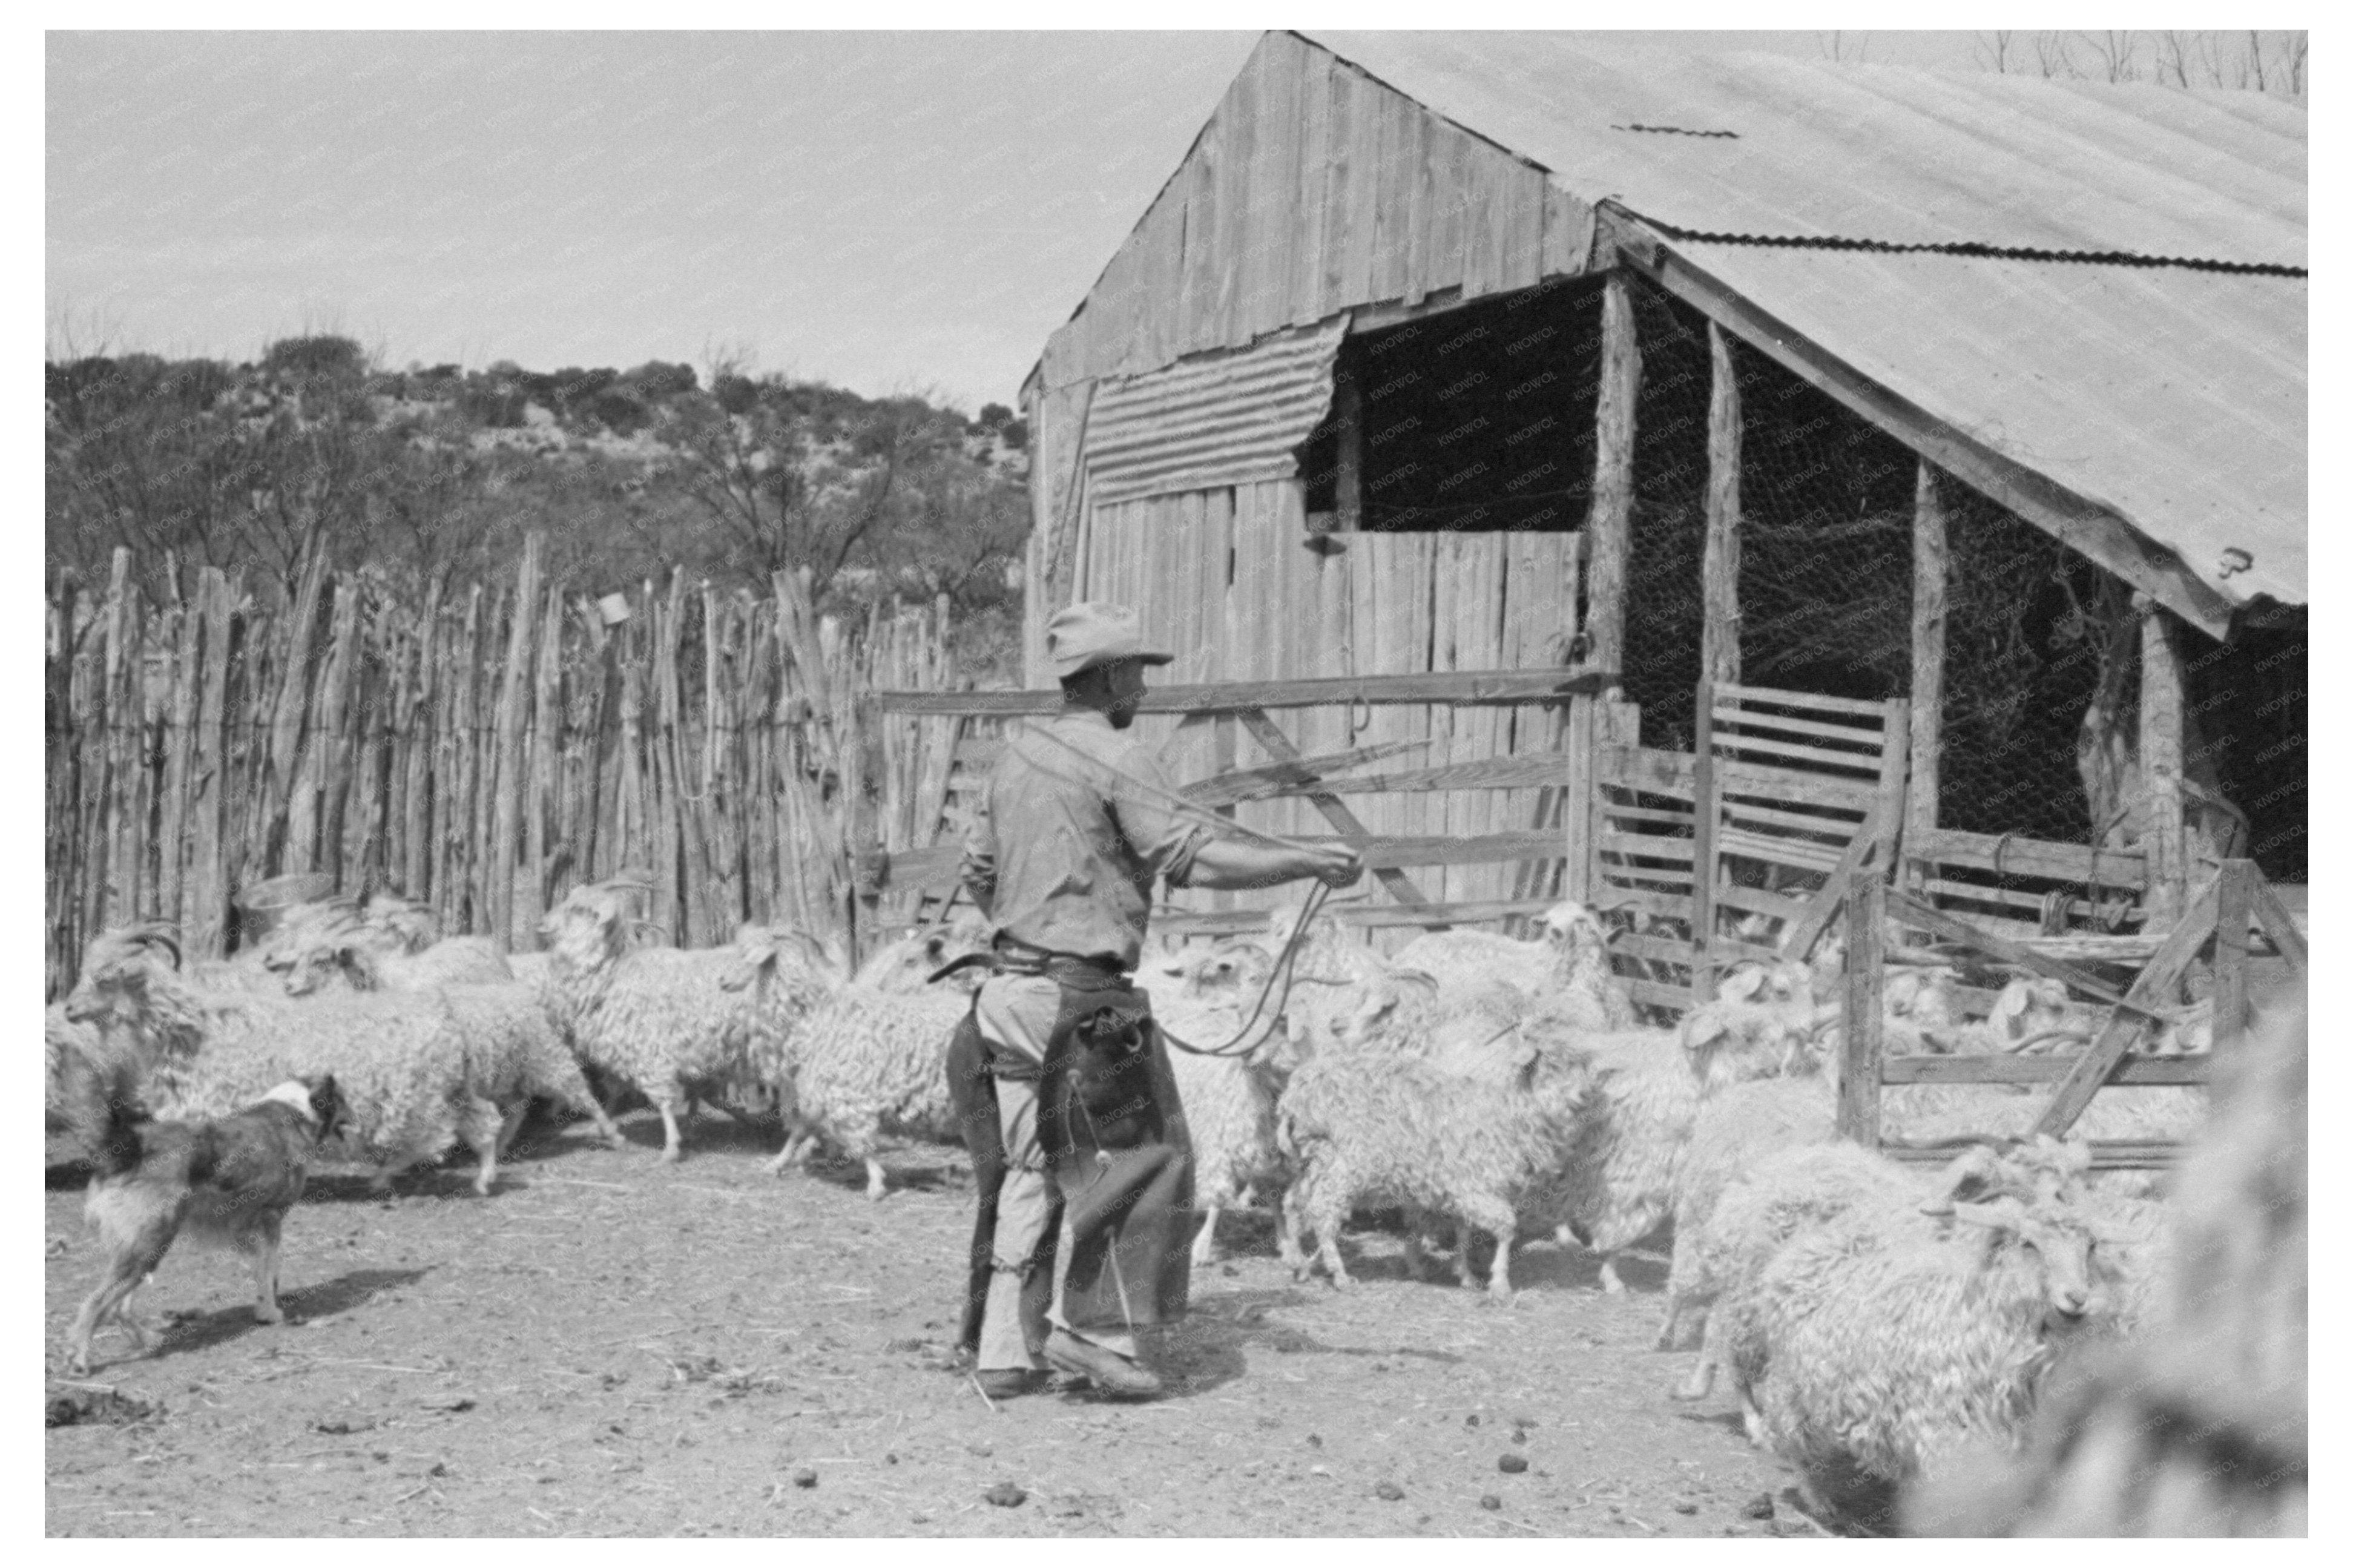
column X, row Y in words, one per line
column 2015, row 1342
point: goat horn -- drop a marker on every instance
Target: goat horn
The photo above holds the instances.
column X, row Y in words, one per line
column 1977, row 1160
column 158, row 933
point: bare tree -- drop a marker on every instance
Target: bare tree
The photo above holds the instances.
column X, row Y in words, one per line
column 2116, row 51
column 2172, row 56
column 2050, row 56
column 1996, row 50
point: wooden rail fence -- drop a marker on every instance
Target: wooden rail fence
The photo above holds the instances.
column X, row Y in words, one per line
column 2218, row 918
column 483, row 752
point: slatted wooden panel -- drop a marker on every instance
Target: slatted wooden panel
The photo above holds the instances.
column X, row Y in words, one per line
column 1813, row 770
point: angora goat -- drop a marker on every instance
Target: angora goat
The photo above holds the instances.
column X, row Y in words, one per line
column 864, row 1063
column 1880, row 1340
column 400, row 1060
column 1205, row 1000
column 1366, row 1122
column 2201, row 1428
column 667, row 1021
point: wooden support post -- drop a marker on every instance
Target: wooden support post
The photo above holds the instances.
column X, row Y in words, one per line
column 1348, row 464
column 1866, row 926
column 2164, row 835
column 2234, row 905
column 1610, row 525
column 1929, row 572
column 1719, row 636
column 1704, row 814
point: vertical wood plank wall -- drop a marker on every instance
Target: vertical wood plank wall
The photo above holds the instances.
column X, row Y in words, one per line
column 1224, row 579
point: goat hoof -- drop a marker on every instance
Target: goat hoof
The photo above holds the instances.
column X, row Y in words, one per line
column 267, row 1314
column 672, row 1155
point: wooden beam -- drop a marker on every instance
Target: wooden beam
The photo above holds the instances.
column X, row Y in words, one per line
column 2133, row 1072
column 2155, row 987
column 1609, row 529
column 1277, row 745
column 1927, row 705
column 2006, row 854
column 2164, row 832
column 1348, row 462
column 1454, row 687
column 1494, row 773
column 2279, row 927
column 1229, row 784
column 1719, row 635
column 2107, row 1154
column 2234, row 905
column 1798, row 941
column 1910, row 911
column 1861, row 1038
column 937, row 864
column 2090, row 529
column 1224, row 922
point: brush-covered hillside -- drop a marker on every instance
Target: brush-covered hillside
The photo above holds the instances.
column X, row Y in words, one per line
column 435, row 472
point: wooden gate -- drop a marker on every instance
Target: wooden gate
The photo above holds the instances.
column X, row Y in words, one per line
column 919, row 882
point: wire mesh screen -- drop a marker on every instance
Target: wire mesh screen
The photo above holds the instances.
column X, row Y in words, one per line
column 1664, row 608
column 1826, row 503
column 2025, row 645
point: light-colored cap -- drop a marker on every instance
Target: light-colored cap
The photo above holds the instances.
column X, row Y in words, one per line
column 1093, row 633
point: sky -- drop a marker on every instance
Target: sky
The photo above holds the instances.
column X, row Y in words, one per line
column 890, row 212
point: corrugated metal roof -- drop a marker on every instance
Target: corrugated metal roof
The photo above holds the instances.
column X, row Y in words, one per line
column 2175, row 396
column 1878, row 153
column 1229, row 419
column 2176, row 399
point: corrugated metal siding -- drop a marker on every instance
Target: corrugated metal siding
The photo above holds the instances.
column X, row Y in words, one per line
column 1232, row 420
column 2176, row 398
column 1877, row 152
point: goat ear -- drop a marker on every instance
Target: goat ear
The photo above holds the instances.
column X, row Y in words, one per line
column 1701, row 1027
column 2001, row 1214
column 2010, row 1004
column 1740, row 984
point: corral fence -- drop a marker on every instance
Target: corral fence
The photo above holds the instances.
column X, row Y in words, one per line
column 2207, row 951
column 922, row 883
column 482, row 751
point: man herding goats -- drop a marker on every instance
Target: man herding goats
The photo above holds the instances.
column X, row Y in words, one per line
column 1060, row 1078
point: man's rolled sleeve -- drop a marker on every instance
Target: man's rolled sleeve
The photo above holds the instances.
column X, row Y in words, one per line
column 1165, row 839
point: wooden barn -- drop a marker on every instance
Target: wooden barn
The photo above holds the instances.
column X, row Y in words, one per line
column 1746, row 463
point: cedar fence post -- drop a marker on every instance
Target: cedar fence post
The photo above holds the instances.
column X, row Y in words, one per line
column 1867, row 925
column 2234, row 905
column 1929, row 570
column 1610, row 525
column 2164, row 836
column 1720, row 557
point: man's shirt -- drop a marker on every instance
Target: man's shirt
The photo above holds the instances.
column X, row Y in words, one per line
column 1070, row 833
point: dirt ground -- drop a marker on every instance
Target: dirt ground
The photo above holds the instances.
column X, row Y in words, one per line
column 608, row 1346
